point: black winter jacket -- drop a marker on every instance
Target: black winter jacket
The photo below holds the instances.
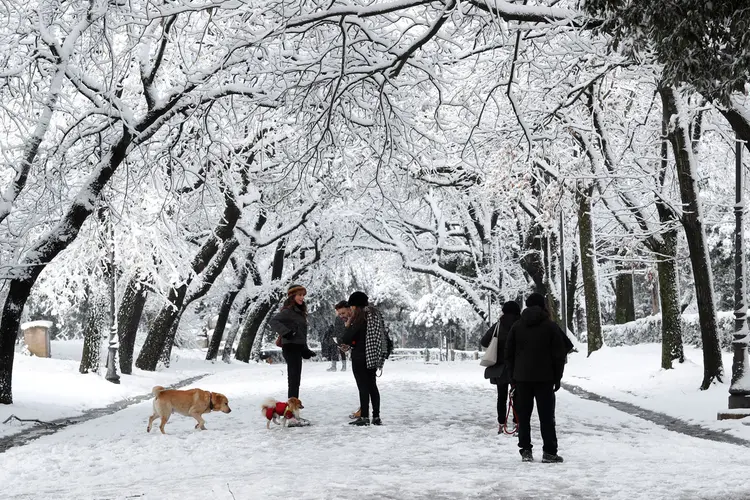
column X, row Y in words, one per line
column 355, row 335
column 328, row 343
column 535, row 350
column 498, row 373
column 291, row 324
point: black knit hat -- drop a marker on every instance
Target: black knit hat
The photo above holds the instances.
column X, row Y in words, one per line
column 358, row 299
column 295, row 289
column 536, row 299
column 512, row 307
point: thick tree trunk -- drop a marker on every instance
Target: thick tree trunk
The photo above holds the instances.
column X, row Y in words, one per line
column 668, row 283
column 692, row 221
column 624, row 297
column 261, row 310
column 588, row 268
column 250, row 329
column 226, row 355
column 671, row 328
column 92, row 337
column 221, row 322
column 128, row 319
column 160, row 329
column 166, row 353
column 43, row 252
column 251, row 269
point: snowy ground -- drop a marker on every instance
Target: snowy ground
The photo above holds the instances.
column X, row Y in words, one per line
column 439, row 441
column 633, row 374
column 46, row 389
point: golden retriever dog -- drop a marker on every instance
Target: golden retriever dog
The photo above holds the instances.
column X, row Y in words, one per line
column 191, row 403
column 272, row 409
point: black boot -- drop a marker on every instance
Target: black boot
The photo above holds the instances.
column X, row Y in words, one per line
column 549, row 458
column 360, row 421
column 376, row 421
column 526, row 456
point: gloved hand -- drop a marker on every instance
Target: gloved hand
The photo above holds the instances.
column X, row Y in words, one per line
column 307, row 353
column 557, row 386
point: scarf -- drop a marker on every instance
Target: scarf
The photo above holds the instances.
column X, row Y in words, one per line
column 375, row 343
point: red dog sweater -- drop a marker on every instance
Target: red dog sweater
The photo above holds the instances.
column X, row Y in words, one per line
column 280, row 409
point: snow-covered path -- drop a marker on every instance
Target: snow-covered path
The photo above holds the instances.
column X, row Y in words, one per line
column 439, row 441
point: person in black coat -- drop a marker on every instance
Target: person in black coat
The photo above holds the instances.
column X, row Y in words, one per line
column 535, row 354
column 329, row 349
column 356, row 336
column 498, row 373
column 291, row 324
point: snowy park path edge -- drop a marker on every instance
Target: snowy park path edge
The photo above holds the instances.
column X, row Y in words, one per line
column 28, row 435
column 667, row 421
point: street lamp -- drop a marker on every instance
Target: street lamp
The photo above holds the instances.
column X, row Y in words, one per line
column 739, row 390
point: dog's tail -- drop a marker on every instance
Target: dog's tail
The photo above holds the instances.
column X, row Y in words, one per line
column 157, row 390
column 267, row 403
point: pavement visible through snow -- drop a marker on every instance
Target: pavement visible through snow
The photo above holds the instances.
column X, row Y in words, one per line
column 439, row 441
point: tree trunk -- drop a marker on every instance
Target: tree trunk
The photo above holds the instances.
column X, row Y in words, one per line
column 588, row 268
column 624, row 297
column 92, row 337
column 226, row 356
column 572, row 285
column 692, row 221
column 214, row 269
column 671, row 328
column 128, row 319
column 668, row 284
column 43, row 252
column 248, row 269
column 250, row 329
column 221, row 322
column 159, row 331
column 655, row 304
column 157, row 341
column 166, row 353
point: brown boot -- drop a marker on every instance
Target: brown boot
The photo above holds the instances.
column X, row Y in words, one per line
column 356, row 414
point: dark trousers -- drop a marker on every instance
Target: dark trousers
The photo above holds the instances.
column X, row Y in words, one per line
column 502, row 402
column 293, row 356
column 544, row 394
column 367, row 383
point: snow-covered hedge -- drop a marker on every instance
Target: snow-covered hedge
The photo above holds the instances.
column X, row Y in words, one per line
column 648, row 329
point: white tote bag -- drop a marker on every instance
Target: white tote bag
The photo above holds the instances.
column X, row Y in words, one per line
column 490, row 356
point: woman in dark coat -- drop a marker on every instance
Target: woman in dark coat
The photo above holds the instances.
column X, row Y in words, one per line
column 364, row 333
column 498, row 373
column 291, row 324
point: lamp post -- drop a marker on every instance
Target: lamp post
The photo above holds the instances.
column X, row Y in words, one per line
column 739, row 390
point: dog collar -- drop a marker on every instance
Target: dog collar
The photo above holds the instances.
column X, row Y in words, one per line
column 210, row 401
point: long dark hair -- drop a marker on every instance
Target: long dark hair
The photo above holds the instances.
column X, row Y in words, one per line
column 290, row 303
column 358, row 316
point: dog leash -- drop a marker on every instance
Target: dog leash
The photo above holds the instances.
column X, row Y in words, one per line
column 512, row 408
